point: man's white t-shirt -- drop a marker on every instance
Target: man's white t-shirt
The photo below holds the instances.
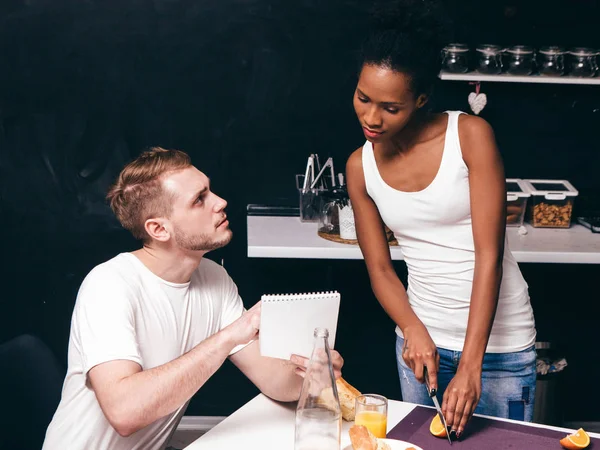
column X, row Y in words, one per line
column 124, row 311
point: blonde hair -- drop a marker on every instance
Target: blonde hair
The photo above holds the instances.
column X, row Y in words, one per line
column 138, row 194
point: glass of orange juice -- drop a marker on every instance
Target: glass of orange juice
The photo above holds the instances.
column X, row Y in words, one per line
column 371, row 411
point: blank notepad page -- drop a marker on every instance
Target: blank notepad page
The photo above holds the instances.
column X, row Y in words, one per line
column 288, row 322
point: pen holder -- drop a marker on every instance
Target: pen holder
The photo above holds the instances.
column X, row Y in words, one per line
column 310, row 201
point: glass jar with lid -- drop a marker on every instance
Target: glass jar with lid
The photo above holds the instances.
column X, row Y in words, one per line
column 455, row 58
column 551, row 61
column 583, row 62
column 333, row 201
column 489, row 59
column 520, row 60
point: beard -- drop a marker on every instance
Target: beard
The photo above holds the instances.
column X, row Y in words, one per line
column 202, row 242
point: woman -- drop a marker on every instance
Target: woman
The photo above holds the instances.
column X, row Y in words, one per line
column 437, row 181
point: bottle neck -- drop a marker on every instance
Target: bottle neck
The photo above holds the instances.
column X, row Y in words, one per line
column 321, row 333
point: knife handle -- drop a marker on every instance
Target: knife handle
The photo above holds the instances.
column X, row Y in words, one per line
column 432, row 392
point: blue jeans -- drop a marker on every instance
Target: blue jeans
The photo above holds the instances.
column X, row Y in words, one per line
column 507, row 384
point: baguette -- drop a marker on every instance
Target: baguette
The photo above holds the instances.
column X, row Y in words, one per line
column 347, row 394
column 363, row 439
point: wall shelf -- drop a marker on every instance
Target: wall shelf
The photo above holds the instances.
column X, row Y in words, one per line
column 287, row 237
column 505, row 78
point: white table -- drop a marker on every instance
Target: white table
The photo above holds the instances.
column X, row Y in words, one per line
column 288, row 237
column 264, row 424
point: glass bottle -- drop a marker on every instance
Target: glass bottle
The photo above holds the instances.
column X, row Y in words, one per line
column 318, row 414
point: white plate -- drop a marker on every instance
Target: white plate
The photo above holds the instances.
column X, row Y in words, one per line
column 394, row 445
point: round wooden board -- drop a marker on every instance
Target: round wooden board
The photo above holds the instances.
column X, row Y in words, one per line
column 335, row 237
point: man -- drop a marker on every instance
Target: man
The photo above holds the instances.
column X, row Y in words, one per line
column 150, row 327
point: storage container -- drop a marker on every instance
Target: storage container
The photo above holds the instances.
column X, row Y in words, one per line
column 583, row 62
column 551, row 61
column 489, row 59
column 520, row 60
column 517, row 195
column 551, row 203
column 455, row 58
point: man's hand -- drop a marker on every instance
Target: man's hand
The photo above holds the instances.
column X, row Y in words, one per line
column 461, row 398
column 245, row 329
column 336, row 361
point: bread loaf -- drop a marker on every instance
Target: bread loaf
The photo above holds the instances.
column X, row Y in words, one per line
column 347, row 394
column 363, row 439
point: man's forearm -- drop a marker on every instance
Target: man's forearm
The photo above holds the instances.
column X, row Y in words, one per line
column 283, row 384
column 139, row 399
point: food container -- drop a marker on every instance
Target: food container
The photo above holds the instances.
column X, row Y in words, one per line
column 455, row 58
column 551, row 203
column 582, row 62
column 517, row 195
column 489, row 59
column 520, row 60
column 551, row 61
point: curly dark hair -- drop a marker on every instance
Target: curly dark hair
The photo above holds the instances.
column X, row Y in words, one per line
column 407, row 36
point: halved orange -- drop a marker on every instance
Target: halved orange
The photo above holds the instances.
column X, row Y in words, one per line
column 575, row 441
column 437, row 428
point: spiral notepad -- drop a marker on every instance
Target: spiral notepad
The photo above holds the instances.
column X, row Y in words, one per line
column 288, row 322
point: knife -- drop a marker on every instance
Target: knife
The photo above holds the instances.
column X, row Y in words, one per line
column 436, row 403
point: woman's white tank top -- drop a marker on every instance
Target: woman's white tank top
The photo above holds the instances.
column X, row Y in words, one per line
column 434, row 231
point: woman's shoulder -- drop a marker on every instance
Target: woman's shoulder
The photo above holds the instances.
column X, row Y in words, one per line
column 477, row 140
column 472, row 125
column 355, row 157
column 354, row 165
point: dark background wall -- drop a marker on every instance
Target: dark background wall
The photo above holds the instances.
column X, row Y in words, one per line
column 249, row 88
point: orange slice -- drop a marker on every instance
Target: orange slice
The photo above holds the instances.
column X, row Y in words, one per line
column 575, row 441
column 438, row 429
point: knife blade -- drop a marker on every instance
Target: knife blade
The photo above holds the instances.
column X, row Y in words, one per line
column 436, row 403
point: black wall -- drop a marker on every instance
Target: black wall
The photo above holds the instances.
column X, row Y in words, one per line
column 250, row 89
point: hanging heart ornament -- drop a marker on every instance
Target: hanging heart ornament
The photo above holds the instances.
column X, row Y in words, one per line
column 477, row 102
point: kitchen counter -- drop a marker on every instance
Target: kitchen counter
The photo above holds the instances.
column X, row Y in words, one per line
column 265, row 424
column 288, row 237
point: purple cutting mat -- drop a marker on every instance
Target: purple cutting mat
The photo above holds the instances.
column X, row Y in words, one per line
column 480, row 434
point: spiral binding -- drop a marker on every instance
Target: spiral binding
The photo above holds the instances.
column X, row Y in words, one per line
column 295, row 297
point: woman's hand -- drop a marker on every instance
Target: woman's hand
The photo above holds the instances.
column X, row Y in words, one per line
column 461, row 398
column 419, row 351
